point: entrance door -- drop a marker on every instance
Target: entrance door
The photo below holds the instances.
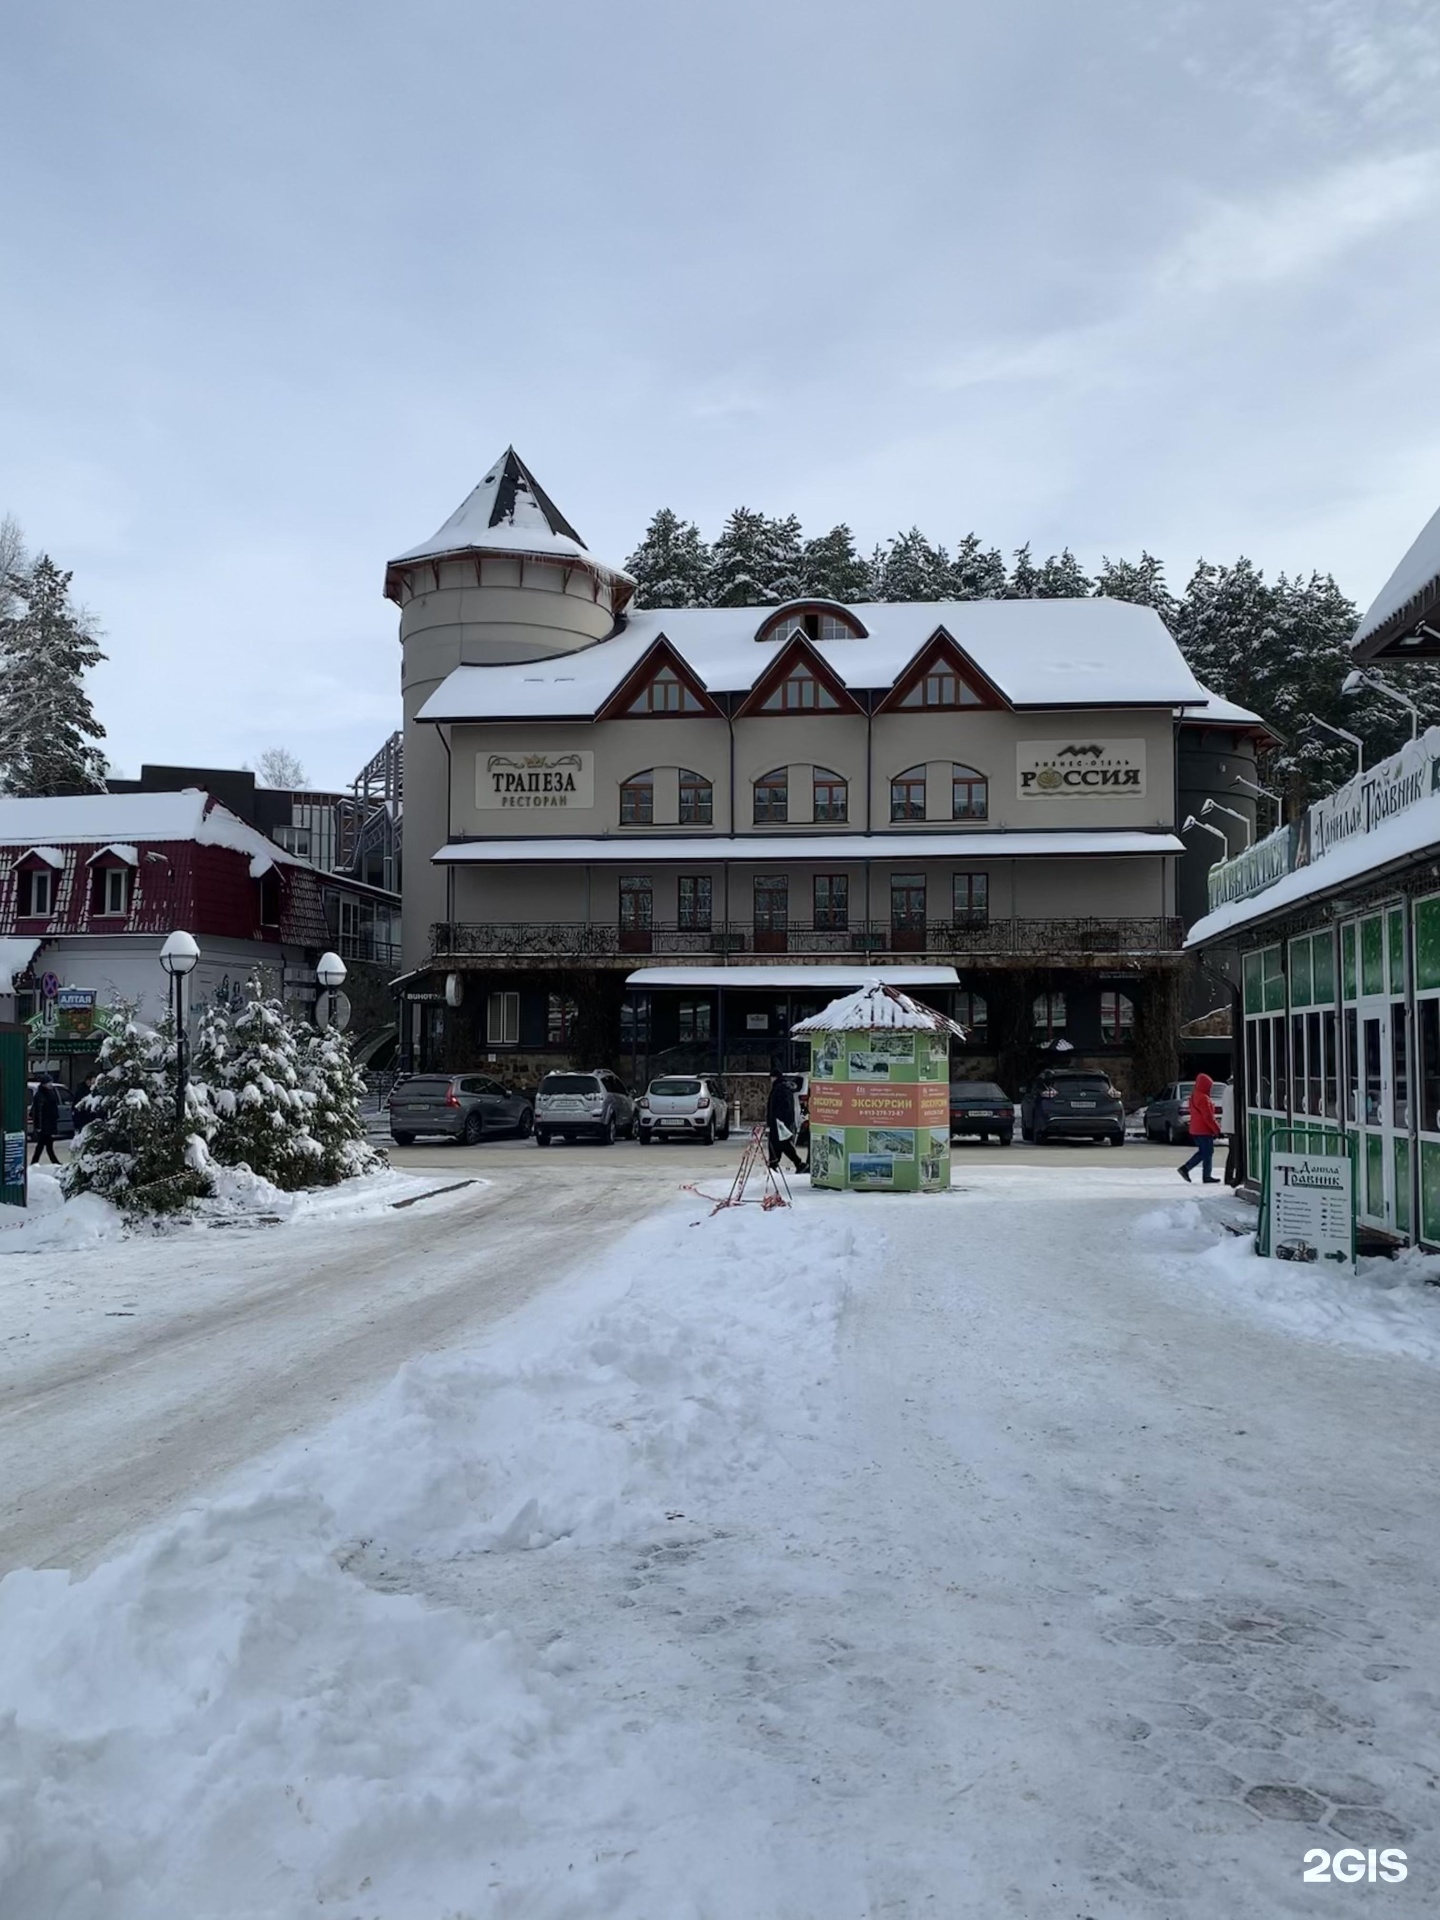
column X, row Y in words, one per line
column 1382, row 1070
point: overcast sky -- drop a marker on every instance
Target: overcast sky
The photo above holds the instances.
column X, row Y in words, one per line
column 282, row 280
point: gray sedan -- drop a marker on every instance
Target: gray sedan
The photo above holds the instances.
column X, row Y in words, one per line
column 462, row 1106
column 1167, row 1117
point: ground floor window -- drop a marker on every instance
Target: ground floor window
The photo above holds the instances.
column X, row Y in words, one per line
column 1048, row 1015
column 1117, row 1018
column 502, row 1020
column 694, row 1020
column 974, row 1016
column 560, row 1020
column 635, row 1024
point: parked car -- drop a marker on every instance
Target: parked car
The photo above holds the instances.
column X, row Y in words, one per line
column 462, row 1106
column 1073, row 1105
column 980, row 1107
column 684, row 1106
column 575, row 1106
column 65, row 1127
column 1167, row 1115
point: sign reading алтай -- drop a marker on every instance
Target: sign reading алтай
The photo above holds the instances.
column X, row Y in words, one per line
column 1080, row 769
column 525, row 781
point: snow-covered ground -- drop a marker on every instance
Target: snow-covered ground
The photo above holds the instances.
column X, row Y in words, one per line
column 990, row 1553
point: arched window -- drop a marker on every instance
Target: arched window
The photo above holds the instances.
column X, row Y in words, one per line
column 831, row 797
column 637, row 799
column 1049, row 1015
column 1117, row 1017
column 969, row 794
column 815, row 622
column 772, row 796
column 800, row 692
column 907, row 795
column 665, row 692
column 697, row 800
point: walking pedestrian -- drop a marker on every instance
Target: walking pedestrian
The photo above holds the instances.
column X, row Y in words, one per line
column 45, row 1119
column 1232, row 1137
column 780, row 1125
column 1204, row 1126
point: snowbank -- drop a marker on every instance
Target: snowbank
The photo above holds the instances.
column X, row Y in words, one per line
column 1387, row 1306
column 238, row 1717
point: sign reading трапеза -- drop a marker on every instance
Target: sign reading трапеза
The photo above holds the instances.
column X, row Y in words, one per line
column 1080, row 769
column 526, row 781
column 1312, row 1214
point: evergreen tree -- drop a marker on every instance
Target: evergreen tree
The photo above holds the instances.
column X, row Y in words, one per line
column 911, row 569
column 1141, row 581
column 46, row 720
column 1024, row 576
column 129, row 1150
column 1062, row 578
column 262, row 1106
column 757, row 562
column 336, row 1122
column 831, row 569
column 671, row 565
column 977, row 573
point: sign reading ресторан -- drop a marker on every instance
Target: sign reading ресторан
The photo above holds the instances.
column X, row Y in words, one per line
column 1080, row 769
column 527, row 781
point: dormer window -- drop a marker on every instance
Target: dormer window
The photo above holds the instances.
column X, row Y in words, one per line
column 114, row 889
column 812, row 622
column 800, row 692
column 36, row 899
column 665, row 692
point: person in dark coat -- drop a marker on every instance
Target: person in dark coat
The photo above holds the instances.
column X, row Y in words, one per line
column 780, row 1122
column 45, row 1119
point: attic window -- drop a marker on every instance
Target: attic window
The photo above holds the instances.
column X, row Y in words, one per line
column 36, row 896
column 813, row 623
column 800, row 692
column 941, row 686
column 665, row 692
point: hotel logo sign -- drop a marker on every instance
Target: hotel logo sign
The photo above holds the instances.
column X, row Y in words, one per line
column 524, row 782
column 1080, row 769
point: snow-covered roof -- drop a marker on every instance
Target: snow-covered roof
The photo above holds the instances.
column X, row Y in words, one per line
column 1039, row 653
column 1414, row 831
column 1411, row 592
column 15, row 956
column 787, row 978
column 52, row 856
column 843, row 847
column 124, row 821
column 878, row 1005
column 121, row 849
column 509, row 512
column 1221, row 712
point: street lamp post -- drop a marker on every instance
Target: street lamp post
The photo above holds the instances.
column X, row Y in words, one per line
column 1205, row 827
column 330, row 973
column 178, row 957
column 1264, row 793
column 1214, row 806
column 1360, row 678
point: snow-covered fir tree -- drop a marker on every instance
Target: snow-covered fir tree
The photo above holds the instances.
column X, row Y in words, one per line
column 756, row 562
column 336, row 1120
column 977, row 572
column 47, row 724
column 1141, row 581
column 909, row 568
column 1024, row 581
column 671, row 565
column 130, row 1150
column 832, row 569
column 262, row 1105
column 1062, row 578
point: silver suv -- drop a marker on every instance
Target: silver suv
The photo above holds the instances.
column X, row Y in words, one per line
column 583, row 1106
column 464, row 1106
column 684, row 1106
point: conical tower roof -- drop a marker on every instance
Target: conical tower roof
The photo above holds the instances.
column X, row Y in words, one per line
column 510, row 513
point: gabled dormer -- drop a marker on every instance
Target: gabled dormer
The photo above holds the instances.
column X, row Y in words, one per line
column 37, row 883
column 942, row 678
column 660, row 686
column 798, row 680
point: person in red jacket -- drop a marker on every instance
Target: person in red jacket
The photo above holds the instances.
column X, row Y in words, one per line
column 1204, row 1125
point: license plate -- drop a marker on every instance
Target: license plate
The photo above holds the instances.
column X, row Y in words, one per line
column 1087, row 1106
column 981, row 1113
column 672, row 1123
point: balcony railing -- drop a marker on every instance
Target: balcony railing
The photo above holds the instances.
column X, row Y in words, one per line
column 566, row 941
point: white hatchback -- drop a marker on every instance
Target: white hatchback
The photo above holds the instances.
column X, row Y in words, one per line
column 684, row 1106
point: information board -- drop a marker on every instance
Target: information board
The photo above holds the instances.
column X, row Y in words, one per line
column 1311, row 1209
column 880, row 1110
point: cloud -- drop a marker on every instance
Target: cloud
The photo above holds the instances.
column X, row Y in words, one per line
column 1299, row 230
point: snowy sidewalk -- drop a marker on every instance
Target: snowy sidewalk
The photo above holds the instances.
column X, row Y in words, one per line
column 962, row 1555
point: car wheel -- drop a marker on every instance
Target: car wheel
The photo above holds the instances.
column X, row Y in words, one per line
column 1027, row 1133
column 1117, row 1139
column 1038, row 1136
column 542, row 1138
column 472, row 1130
column 1169, row 1134
column 707, row 1139
column 1005, row 1138
column 645, row 1137
column 403, row 1139
column 524, row 1125
column 607, row 1137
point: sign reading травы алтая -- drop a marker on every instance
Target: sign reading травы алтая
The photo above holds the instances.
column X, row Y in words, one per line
column 1080, row 769
column 525, row 781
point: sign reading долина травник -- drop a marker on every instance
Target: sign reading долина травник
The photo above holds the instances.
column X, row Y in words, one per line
column 524, row 782
column 1312, row 1214
column 1080, row 769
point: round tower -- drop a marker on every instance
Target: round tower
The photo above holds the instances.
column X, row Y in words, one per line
column 506, row 579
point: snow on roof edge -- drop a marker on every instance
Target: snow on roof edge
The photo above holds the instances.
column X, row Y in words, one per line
column 878, row 1006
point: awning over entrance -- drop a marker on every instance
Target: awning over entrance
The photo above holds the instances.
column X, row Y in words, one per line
column 917, row 845
column 786, row 978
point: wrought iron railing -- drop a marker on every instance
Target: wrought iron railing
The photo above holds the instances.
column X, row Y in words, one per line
column 562, row 941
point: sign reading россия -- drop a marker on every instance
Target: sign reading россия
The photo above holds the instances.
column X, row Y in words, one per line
column 525, row 781
column 1080, row 769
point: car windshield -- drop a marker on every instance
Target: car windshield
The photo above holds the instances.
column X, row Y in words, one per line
column 976, row 1090
column 674, row 1089
column 569, row 1083
column 1076, row 1082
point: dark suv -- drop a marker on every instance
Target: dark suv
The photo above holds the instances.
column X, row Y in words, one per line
column 1073, row 1105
